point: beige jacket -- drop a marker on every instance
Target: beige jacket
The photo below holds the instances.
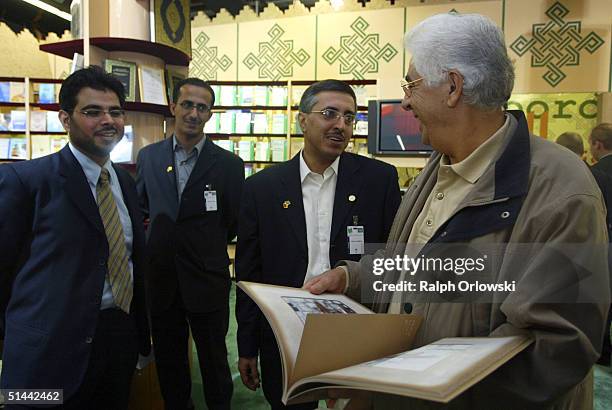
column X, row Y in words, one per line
column 534, row 192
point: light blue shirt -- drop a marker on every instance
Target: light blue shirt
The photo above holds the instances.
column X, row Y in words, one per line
column 184, row 163
column 92, row 173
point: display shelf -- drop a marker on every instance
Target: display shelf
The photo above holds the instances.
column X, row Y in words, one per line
column 11, row 104
column 220, row 136
column 128, row 106
column 48, row 133
column 8, row 160
column 13, row 132
column 170, row 55
column 221, row 108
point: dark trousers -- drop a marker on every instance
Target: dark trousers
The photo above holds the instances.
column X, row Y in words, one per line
column 170, row 340
column 272, row 374
column 108, row 378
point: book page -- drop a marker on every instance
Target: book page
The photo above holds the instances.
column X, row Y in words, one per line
column 285, row 309
column 439, row 371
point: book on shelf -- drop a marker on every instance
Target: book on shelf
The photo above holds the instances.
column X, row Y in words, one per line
column 245, row 95
column 18, row 148
column 362, row 148
column 295, row 124
column 18, row 120
column 278, row 148
column 225, row 144
column 260, row 95
column 173, row 76
column 53, row 122
column 212, row 125
column 278, row 96
column 125, row 71
column 227, row 95
column 296, row 93
column 439, row 371
column 246, row 150
column 16, row 91
column 5, row 121
column 38, row 121
column 41, row 145
column 58, row 142
column 361, row 94
column 152, row 85
column 262, row 151
column 361, row 124
column 4, row 147
column 248, row 170
column 46, row 93
column 227, row 122
column 260, row 123
column 122, row 152
column 5, row 92
column 243, row 122
column 279, row 123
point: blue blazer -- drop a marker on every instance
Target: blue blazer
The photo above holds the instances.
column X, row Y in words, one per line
column 52, row 269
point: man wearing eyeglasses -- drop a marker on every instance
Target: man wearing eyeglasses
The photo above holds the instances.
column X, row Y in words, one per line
column 492, row 190
column 299, row 218
column 72, row 259
column 190, row 188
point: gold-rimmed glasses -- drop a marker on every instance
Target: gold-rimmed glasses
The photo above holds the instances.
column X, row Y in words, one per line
column 408, row 86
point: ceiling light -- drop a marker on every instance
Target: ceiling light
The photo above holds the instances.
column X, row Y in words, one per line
column 49, row 8
column 336, row 4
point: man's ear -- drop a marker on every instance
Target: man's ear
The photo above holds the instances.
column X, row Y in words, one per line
column 172, row 107
column 455, row 88
column 302, row 121
column 64, row 118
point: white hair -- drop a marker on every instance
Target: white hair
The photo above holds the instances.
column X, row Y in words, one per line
column 470, row 44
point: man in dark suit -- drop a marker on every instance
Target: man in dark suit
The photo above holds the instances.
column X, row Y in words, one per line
column 295, row 218
column 191, row 189
column 72, row 245
column 600, row 144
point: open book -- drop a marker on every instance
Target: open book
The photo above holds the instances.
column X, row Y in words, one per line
column 330, row 341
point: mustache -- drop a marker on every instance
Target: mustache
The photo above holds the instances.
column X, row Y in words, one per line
column 105, row 129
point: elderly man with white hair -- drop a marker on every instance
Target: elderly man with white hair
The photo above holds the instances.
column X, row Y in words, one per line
column 490, row 183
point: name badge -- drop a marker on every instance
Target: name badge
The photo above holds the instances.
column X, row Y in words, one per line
column 210, row 200
column 355, row 234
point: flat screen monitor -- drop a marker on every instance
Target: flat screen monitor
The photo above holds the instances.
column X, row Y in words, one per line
column 394, row 131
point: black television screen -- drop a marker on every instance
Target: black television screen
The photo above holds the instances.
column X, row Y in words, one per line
column 393, row 131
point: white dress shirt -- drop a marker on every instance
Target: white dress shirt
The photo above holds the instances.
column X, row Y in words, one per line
column 318, row 195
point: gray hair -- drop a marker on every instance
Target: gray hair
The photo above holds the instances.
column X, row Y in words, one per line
column 469, row 43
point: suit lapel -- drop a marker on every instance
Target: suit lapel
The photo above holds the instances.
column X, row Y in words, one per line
column 347, row 188
column 77, row 188
column 291, row 202
column 206, row 159
column 166, row 164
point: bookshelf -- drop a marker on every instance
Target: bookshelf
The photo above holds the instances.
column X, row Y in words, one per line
column 29, row 127
column 257, row 120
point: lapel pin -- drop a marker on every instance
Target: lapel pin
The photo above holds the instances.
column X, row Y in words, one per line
column 352, row 198
column 169, row 169
column 286, row 204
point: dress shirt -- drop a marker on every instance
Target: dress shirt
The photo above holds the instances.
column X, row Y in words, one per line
column 184, row 162
column 318, row 193
column 92, row 173
column 454, row 183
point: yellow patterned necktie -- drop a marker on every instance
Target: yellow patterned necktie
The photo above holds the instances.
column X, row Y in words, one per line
column 117, row 264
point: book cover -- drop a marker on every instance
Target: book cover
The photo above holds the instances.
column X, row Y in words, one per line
column 5, row 92
column 227, row 122
column 212, row 125
column 38, row 121
column 5, row 121
column 246, row 150
column 260, row 95
column 262, row 151
column 58, row 142
column 246, row 95
column 122, row 152
column 227, row 95
column 53, row 122
column 46, row 93
column 16, row 91
column 4, row 147
column 278, row 148
column 279, row 123
column 125, row 71
column 227, row 145
column 260, row 123
column 243, row 122
column 18, row 120
column 18, row 148
column 278, row 96
column 41, row 145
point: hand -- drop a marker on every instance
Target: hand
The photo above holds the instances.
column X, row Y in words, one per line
column 247, row 366
column 332, row 281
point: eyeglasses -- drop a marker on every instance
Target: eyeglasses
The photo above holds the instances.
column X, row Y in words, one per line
column 189, row 105
column 408, row 86
column 333, row 115
column 94, row 113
